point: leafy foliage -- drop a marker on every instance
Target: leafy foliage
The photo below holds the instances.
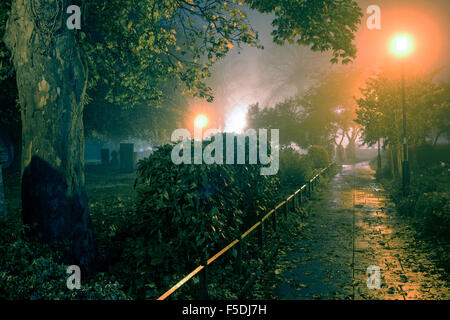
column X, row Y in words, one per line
column 30, row 270
column 183, row 214
column 316, row 116
column 322, row 24
column 318, row 157
column 380, row 109
column 330, row 107
column 427, row 202
column 286, row 116
column 107, row 121
column 134, row 47
column 295, row 169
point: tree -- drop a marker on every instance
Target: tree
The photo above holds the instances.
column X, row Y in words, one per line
column 330, row 107
column 324, row 25
column 133, row 47
column 318, row 116
column 380, row 112
column 51, row 79
column 290, row 70
column 107, row 121
column 287, row 116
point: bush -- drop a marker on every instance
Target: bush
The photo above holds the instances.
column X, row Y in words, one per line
column 427, row 156
column 434, row 211
column 318, row 157
column 295, row 169
column 427, row 202
column 185, row 213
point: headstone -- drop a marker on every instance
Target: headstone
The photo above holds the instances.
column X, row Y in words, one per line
column 126, row 157
column 104, row 155
column 55, row 216
column 114, row 158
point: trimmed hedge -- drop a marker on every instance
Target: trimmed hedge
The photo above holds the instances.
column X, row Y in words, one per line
column 185, row 213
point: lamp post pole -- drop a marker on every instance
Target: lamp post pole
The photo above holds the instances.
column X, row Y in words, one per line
column 405, row 168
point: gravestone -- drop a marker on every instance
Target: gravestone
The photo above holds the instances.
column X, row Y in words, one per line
column 114, row 158
column 104, row 155
column 126, row 157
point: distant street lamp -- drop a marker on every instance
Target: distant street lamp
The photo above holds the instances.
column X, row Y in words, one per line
column 201, row 121
column 401, row 46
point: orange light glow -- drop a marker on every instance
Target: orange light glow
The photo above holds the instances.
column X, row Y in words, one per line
column 422, row 24
column 402, row 45
column 200, row 115
column 201, row 121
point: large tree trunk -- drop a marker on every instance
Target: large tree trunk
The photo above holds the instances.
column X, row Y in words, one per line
column 51, row 81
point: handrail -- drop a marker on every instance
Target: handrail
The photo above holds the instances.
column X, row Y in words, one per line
column 244, row 235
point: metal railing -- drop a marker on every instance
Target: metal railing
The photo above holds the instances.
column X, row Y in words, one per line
column 296, row 198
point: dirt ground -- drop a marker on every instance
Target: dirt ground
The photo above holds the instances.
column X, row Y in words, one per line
column 350, row 227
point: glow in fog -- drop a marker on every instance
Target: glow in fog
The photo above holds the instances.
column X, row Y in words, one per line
column 236, row 120
column 201, row 121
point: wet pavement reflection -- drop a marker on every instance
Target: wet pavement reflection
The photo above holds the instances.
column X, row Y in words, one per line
column 353, row 225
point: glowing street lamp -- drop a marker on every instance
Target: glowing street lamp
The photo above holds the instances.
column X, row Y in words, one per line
column 201, row 121
column 401, row 46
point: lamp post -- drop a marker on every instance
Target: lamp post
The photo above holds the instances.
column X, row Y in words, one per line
column 401, row 46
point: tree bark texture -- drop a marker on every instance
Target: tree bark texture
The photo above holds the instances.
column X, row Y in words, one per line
column 51, row 80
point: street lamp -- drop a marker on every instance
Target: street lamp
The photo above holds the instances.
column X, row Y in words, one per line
column 401, row 46
column 201, row 121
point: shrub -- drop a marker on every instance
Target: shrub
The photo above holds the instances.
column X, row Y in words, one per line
column 427, row 202
column 427, row 156
column 318, row 157
column 434, row 211
column 187, row 212
column 294, row 168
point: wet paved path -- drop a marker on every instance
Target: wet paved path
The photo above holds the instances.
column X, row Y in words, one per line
column 350, row 227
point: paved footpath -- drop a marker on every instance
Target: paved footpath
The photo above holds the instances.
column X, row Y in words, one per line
column 352, row 225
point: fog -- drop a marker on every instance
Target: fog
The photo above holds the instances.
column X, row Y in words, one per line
column 249, row 75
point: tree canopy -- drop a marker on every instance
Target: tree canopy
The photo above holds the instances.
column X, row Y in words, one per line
column 145, row 53
column 135, row 46
column 380, row 110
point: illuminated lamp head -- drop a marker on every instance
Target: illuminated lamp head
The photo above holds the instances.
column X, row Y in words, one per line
column 402, row 45
column 201, row 121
